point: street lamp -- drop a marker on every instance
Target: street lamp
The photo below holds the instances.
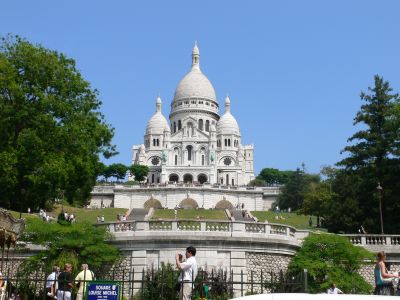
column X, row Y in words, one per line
column 21, row 202
column 380, row 191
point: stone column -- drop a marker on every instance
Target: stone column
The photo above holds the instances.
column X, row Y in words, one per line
column 139, row 263
column 239, row 272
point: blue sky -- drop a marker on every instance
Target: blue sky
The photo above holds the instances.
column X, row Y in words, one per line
column 293, row 69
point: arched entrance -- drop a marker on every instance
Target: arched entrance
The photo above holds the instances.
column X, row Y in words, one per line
column 152, row 203
column 188, row 203
column 187, row 178
column 202, row 178
column 174, row 178
column 224, row 204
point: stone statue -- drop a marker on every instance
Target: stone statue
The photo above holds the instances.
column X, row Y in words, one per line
column 212, row 157
column 164, row 156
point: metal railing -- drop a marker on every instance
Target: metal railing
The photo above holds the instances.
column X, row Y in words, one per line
column 161, row 284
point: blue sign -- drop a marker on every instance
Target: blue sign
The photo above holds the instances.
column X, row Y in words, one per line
column 102, row 290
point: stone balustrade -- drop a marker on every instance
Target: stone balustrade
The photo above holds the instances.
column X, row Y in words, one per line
column 373, row 239
column 226, row 228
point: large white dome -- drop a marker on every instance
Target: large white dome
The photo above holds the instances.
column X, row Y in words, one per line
column 195, row 84
column 157, row 123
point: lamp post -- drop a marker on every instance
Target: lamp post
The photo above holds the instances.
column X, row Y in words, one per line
column 380, row 191
column 21, row 202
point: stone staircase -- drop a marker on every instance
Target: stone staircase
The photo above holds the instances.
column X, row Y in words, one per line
column 238, row 215
column 138, row 214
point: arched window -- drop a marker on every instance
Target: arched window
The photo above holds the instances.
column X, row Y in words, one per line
column 227, row 179
column 174, row 127
column 189, row 151
column 176, row 159
column 226, row 143
column 152, row 178
column 233, row 181
column 154, row 142
column 158, row 142
column 201, row 124
column 179, row 125
column 229, row 142
column 202, row 160
column 207, row 125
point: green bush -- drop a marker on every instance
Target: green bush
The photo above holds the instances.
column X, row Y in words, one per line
column 331, row 258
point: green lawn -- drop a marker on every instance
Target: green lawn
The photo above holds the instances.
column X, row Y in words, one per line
column 90, row 214
column 82, row 214
column 190, row 214
column 292, row 219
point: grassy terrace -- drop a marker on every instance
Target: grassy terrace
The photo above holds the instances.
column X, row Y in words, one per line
column 190, row 214
column 292, row 219
column 82, row 214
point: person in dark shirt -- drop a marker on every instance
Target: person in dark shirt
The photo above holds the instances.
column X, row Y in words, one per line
column 65, row 283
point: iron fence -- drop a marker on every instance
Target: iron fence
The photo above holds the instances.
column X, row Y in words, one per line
column 162, row 284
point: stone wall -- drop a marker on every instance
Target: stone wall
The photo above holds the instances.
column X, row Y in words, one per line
column 265, row 264
column 171, row 196
column 367, row 271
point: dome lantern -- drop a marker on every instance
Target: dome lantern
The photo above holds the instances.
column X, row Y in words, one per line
column 195, row 57
column 227, row 104
column 158, row 104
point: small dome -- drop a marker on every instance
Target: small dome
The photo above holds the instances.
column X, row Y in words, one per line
column 157, row 123
column 228, row 125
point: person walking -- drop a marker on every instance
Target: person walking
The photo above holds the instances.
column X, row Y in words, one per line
column 81, row 279
column 65, row 283
column 51, row 283
column 189, row 269
column 383, row 280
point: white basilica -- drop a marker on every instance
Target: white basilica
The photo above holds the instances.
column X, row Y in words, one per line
column 197, row 145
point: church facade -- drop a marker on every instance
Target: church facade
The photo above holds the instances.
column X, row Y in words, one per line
column 197, row 145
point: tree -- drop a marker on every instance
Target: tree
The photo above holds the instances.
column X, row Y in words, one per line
column 116, row 170
column 331, row 258
column 74, row 243
column 274, row 176
column 257, row 182
column 52, row 131
column 292, row 194
column 373, row 157
column 139, row 171
column 317, row 200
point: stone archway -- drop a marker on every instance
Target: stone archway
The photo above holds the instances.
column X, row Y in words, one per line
column 188, row 178
column 152, row 203
column 188, row 203
column 174, row 178
column 224, row 204
column 202, row 178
